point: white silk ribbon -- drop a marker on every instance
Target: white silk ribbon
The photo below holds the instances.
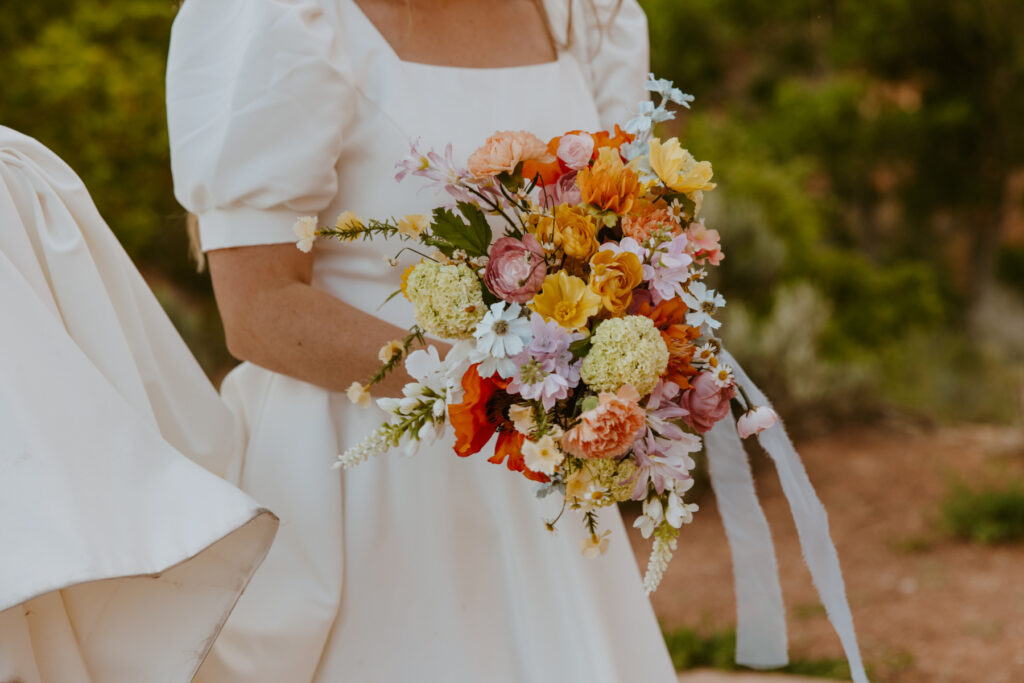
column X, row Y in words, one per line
column 761, row 626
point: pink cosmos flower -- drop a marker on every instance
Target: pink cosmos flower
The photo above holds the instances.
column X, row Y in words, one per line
column 575, row 151
column 756, row 421
column 706, row 402
column 516, row 269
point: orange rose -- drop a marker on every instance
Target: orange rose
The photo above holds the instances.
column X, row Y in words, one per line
column 504, row 151
column 609, row 184
column 613, row 277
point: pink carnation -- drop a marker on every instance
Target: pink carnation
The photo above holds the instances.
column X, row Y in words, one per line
column 504, row 150
column 516, row 270
column 706, row 402
column 756, row 421
column 608, row 430
column 640, row 226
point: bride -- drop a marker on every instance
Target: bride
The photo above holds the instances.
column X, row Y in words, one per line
column 430, row 568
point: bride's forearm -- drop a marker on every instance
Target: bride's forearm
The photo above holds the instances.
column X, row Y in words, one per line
column 274, row 318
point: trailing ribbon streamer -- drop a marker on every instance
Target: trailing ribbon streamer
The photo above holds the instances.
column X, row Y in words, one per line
column 755, row 607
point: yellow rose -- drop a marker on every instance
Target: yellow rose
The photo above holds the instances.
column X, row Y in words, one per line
column 677, row 168
column 572, row 231
column 567, row 300
column 613, row 277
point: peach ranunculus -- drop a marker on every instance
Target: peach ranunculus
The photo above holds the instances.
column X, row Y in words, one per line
column 504, row 151
column 567, row 300
column 609, row 184
column 572, row 231
column 609, row 429
column 614, row 277
column 639, row 225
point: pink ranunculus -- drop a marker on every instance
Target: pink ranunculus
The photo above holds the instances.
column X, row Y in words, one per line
column 562, row 191
column 706, row 402
column 575, row 151
column 503, row 151
column 756, row 421
column 608, row 430
column 516, row 269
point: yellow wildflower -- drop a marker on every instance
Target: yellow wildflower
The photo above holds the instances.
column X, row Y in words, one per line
column 358, row 394
column 413, row 225
column 389, row 351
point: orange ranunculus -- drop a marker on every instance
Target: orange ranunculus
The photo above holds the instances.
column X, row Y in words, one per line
column 571, row 230
column 472, row 419
column 613, row 277
column 510, row 446
column 670, row 318
column 609, row 184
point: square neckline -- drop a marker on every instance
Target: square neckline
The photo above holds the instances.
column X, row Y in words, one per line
column 377, row 35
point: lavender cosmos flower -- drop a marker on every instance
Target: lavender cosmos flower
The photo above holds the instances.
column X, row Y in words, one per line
column 662, row 448
column 545, row 370
column 437, row 169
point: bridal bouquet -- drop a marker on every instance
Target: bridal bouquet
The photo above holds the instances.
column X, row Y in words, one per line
column 570, row 277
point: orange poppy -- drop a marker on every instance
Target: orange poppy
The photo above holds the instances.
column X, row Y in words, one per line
column 473, row 423
column 510, row 445
column 670, row 318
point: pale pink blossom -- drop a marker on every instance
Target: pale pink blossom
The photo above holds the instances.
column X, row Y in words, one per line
column 756, row 421
column 575, row 151
column 704, row 244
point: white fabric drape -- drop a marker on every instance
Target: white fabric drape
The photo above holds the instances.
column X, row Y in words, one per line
column 121, row 556
column 761, row 622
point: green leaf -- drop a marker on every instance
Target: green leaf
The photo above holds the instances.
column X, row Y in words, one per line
column 474, row 238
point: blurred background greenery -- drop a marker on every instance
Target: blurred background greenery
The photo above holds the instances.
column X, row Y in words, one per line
column 869, row 155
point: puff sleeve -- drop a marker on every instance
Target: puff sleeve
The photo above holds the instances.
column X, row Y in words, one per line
column 257, row 98
column 610, row 41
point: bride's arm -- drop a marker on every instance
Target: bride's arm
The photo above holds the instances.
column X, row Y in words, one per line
column 273, row 317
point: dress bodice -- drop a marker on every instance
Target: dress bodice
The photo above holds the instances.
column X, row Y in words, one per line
column 398, row 101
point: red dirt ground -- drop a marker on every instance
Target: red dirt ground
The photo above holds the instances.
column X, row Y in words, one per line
column 927, row 608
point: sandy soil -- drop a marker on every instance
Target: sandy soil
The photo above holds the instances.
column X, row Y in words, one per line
column 927, row 608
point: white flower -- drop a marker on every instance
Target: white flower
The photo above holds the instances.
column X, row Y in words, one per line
column 521, row 415
column 500, row 334
column 756, row 421
column 358, row 394
column 703, row 304
column 389, row 405
column 542, row 455
column 679, row 513
column 305, row 230
column 652, row 509
column 389, row 351
column 646, row 525
column 347, row 220
column 413, row 225
column 595, row 544
column 723, row 376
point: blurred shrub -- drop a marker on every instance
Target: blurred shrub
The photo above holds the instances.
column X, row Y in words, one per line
column 691, row 650
column 985, row 515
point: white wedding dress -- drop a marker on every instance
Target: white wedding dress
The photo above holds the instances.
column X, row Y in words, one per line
column 120, row 555
column 430, row 568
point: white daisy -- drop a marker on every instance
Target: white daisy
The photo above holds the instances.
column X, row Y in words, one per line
column 501, row 334
column 703, row 304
